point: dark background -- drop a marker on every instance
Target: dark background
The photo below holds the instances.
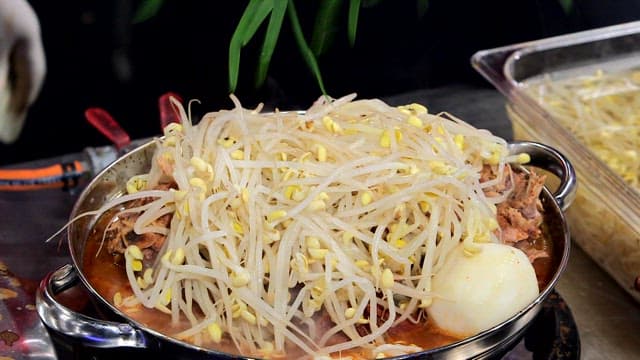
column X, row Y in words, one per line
column 96, row 56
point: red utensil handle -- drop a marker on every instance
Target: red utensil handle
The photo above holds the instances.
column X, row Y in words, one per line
column 168, row 112
column 107, row 125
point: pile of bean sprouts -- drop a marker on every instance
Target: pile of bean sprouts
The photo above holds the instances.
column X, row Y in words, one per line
column 601, row 110
column 281, row 217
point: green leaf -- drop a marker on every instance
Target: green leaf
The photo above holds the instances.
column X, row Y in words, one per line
column 354, row 11
column 257, row 19
column 325, row 27
column 147, row 10
column 422, row 6
column 567, row 5
column 270, row 40
column 306, row 52
column 236, row 42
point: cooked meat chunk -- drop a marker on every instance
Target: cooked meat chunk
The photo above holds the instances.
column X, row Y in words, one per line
column 120, row 233
column 488, row 174
column 520, row 215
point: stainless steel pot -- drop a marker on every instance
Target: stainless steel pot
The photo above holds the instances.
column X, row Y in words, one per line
column 129, row 333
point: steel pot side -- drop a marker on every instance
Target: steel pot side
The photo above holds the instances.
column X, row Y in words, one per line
column 129, row 333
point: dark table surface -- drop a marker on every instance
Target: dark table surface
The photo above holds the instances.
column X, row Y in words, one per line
column 607, row 318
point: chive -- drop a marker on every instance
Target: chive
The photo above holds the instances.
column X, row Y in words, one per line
column 567, row 6
column 306, row 52
column 147, row 10
column 325, row 26
column 236, row 42
column 270, row 39
column 354, row 11
column 422, row 6
column 257, row 19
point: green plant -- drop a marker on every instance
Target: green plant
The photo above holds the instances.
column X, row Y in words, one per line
column 256, row 14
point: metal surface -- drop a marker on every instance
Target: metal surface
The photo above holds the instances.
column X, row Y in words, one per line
column 607, row 317
column 92, row 332
column 27, row 338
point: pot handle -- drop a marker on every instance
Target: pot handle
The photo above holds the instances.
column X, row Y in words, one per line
column 87, row 330
column 547, row 158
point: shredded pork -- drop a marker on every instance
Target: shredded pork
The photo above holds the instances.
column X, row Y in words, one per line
column 520, row 216
column 120, row 233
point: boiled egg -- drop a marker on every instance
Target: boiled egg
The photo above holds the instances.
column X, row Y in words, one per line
column 472, row 293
